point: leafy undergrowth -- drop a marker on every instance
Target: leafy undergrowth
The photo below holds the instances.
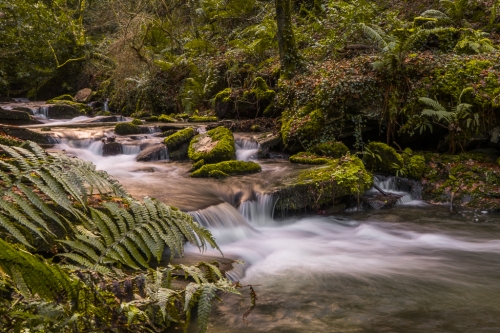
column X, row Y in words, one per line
column 471, row 179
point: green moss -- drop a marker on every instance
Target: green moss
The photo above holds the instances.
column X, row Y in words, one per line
column 175, row 140
column 308, row 158
column 82, row 108
column 166, row 119
column 102, row 113
column 65, row 97
column 127, row 128
column 228, row 168
column 152, row 119
column 223, row 96
column 331, row 149
column 215, row 146
column 141, row 114
column 198, row 165
column 302, row 126
column 321, row 185
column 201, row 119
column 137, row 122
column 419, row 21
column 217, row 174
column 8, row 140
column 381, row 157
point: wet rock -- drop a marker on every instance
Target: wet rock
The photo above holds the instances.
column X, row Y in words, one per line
column 23, row 108
column 64, row 111
column 26, row 134
column 155, row 152
column 83, row 96
column 16, row 117
column 181, row 153
column 215, row 146
column 112, row 149
column 266, row 142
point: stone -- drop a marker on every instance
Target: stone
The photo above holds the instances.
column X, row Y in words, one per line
column 63, row 111
column 267, row 141
column 16, row 117
column 155, row 152
column 112, row 149
column 83, row 96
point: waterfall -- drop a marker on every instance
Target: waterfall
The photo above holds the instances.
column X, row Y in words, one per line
column 408, row 190
column 42, row 112
column 245, row 149
column 258, row 212
column 131, row 149
column 224, row 221
column 150, row 129
column 105, row 106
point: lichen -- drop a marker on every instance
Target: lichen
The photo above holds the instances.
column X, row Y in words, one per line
column 175, row 140
column 229, row 168
column 127, row 128
column 215, row 146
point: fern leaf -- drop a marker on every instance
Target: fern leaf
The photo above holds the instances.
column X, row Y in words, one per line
column 205, row 305
column 432, row 103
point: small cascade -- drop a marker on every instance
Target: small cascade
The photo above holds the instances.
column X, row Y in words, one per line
column 393, row 191
column 42, row 112
column 224, row 221
column 151, row 129
column 246, row 149
column 105, row 106
column 131, row 149
column 258, row 212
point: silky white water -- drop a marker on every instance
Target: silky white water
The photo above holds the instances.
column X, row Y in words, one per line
column 407, row 269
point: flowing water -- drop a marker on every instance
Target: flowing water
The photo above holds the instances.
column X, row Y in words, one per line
column 413, row 268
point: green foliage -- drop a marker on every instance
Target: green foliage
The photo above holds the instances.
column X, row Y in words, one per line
column 331, row 149
column 175, row 140
column 382, row 158
column 227, row 168
column 301, row 126
column 215, row 146
column 414, row 164
column 127, row 128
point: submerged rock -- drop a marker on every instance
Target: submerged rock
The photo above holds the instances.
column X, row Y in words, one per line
column 155, row 152
column 112, row 149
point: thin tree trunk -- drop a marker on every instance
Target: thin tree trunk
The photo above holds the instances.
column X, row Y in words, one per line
column 289, row 55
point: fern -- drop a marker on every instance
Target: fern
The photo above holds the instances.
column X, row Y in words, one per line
column 205, row 305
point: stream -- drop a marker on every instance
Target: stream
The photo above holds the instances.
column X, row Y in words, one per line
column 412, row 268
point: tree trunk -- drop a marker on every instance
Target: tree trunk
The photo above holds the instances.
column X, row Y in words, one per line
column 289, row 55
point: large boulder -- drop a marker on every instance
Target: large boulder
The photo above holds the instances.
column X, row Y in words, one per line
column 178, row 143
column 267, row 141
column 155, row 152
column 66, row 110
column 83, row 96
column 321, row 186
column 26, row 134
column 227, row 168
column 215, row 146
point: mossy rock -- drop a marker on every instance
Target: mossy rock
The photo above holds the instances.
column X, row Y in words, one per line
column 127, row 129
column 318, row 186
column 12, row 116
column 301, row 126
column 202, row 119
column 414, row 164
column 136, row 122
column 174, row 141
column 381, row 157
column 229, row 168
column 308, row 158
column 65, row 97
column 330, row 149
column 166, row 119
column 8, row 140
column 67, row 109
column 215, row 146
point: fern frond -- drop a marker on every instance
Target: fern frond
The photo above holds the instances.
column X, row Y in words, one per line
column 374, row 36
column 432, row 103
column 205, row 305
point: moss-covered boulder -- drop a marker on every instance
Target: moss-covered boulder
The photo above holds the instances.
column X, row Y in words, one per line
column 322, row 185
column 67, row 109
column 65, row 97
column 26, row 134
column 414, row 164
column 383, row 158
column 330, row 149
column 166, row 119
column 202, row 119
column 229, row 168
column 127, row 129
column 178, row 143
column 137, row 122
column 215, row 146
column 301, row 126
column 308, row 158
